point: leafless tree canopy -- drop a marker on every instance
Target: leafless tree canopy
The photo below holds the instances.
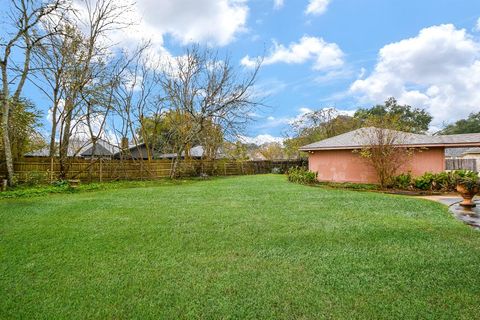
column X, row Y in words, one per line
column 23, row 35
column 205, row 88
column 98, row 92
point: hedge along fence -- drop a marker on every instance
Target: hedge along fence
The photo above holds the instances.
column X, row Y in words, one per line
column 43, row 169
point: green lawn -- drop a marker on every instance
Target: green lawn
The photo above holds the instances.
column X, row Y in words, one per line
column 243, row 247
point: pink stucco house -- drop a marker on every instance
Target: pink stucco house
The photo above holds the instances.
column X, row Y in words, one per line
column 334, row 159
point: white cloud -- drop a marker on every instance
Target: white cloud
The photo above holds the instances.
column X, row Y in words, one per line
column 325, row 55
column 317, row 7
column 268, row 88
column 261, row 139
column 362, row 73
column 304, row 111
column 278, row 4
column 477, row 25
column 80, row 130
column 213, row 21
column 275, row 122
column 439, row 70
column 334, row 75
column 347, row 112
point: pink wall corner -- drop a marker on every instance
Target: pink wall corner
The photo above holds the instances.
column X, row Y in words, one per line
column 348, row 166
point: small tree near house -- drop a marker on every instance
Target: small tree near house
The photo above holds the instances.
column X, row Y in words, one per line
column 384, row 149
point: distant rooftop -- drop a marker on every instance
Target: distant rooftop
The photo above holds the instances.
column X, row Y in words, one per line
column 79, row 148
column 359, row 138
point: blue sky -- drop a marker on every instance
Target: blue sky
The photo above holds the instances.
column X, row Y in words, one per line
column 359, row 28
column 340, row 53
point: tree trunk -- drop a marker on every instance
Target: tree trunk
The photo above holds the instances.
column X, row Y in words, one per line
column 173, row 171
column 65, row 141
column 6, row 140
column 54, row 127
column 4, row 96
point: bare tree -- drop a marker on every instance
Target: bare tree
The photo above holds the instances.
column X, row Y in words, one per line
column 203, row 88
column 138, row 97
column 385, row 151
column 25, row 18
column 76, row 64
column 272, row 151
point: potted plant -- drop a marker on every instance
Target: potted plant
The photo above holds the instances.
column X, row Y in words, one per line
column 468, row 186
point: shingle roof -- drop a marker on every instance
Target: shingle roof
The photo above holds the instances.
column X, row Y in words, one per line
column 359, row 138
column 99, row 151
column 78, row 148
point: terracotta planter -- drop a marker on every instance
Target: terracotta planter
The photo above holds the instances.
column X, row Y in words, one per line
column 467, row 195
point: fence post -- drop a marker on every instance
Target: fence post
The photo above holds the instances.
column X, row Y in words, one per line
column 101, row 170
column 51, row 169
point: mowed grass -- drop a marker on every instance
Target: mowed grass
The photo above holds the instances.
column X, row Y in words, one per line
column 252, row 247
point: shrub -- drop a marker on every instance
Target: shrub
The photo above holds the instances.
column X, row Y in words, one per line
column 425, row 182
column 443, row 181
column 465, row 174
column 34, row 178
column 403, row 181
column 301, row 175
column 467, row 179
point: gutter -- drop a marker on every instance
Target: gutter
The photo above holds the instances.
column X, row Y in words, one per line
column 444, row 145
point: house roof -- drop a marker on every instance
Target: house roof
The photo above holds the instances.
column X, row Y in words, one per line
column 359, row 138
column 195, row 152
column 75, row 148
column 80, row 148
column 100, row 150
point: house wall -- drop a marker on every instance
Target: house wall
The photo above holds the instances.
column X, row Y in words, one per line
column 347, row 166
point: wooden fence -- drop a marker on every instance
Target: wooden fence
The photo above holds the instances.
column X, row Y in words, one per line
column 39, row 169
column 458, row 164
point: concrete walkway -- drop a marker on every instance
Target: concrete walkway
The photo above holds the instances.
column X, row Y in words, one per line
column 468, row 216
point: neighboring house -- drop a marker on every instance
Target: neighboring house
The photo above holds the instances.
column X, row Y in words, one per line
column 334, row 159
column 256, row 156
column 103, row 149
column 140, row 152
column 83, row 149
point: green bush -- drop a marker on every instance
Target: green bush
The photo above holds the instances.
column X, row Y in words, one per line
column 424, row 182
column 467, row 179
column 301, row 175
column 403, row 181
column 443, row 181
column 465, row 174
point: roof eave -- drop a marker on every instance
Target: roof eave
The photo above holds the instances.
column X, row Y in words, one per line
column 429, row 145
